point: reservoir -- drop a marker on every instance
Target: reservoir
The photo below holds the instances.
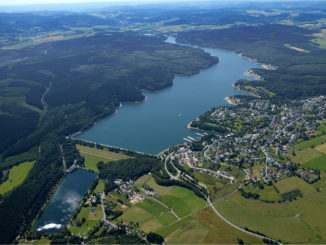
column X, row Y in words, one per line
column 65, row 201
column 161, row 120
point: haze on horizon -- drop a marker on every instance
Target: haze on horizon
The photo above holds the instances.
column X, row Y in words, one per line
column 44, row 2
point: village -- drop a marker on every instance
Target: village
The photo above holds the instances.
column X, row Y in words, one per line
column 256, row 136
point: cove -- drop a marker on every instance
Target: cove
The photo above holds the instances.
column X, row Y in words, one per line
column 65, row 201
column 161, row 120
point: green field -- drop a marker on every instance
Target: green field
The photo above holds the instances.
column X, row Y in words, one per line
column 312, row 153
column 99, row 187
column 204, row 227
column 312, row 142
column 292, row 183
column 93, row 156
column 91, row 161
column 42, row 241
column 17, row 175
column 300, row 221
column 149, row 180
column 317, row 163
column 268, row 193
column 322, row 182
column 149, row 214
column 305, row 155
column 213, row 184
column 92, row 219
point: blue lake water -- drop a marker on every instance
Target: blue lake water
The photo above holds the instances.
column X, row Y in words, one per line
column 65, row 201
column 160, row 121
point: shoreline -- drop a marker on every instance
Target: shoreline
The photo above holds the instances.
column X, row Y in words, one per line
column 263, row 65
column 230, row 100
column 243, row 91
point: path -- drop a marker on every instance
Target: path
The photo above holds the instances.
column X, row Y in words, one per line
column 110, row 158
column 170, row 209
column 104, row 214
column 63, row 159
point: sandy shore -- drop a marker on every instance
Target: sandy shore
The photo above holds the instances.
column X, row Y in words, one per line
column 230, row 101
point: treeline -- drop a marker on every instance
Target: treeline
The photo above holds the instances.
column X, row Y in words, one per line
column 126, row 169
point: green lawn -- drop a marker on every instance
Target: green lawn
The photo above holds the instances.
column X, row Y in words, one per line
column 91, row 161
column 17, row 175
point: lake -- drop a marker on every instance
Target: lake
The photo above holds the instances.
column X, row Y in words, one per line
column 161, row 120
column 65, row 201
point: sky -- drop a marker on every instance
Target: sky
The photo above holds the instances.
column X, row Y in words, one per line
column 29, row 2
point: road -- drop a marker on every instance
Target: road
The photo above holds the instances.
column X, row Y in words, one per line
column 166, row 169
column 63, row 159
column 104, row 214
column 233, row 225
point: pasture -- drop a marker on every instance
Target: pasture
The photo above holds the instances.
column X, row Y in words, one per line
column 317, row 163
column 300, row 221
column 17, row 175
column 204, row 227
column 150, row 215
column 291, row 183
column 93, row 156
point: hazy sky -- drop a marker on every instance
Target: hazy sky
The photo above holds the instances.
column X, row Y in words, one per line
column 28, row 2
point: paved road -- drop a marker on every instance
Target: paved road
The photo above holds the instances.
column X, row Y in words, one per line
column 104, row 214
column 166, row 169
column 233, row 225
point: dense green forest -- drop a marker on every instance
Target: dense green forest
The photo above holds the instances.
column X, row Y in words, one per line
column 300, row 70
column 64, row 87
column 77, row 81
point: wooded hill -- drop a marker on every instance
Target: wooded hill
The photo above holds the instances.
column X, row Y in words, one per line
column 58, row 88
column 300, row 64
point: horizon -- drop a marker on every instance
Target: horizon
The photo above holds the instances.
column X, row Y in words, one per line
column 60, row 2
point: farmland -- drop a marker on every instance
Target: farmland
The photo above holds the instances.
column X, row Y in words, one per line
column 204, row 227
column 292, row 222
column 312, row 153
column 149, row 214
column 17, row 175
column 92, row 216
column 197, row 223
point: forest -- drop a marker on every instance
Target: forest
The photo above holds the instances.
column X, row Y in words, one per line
column 300, row 70
column 63, row 87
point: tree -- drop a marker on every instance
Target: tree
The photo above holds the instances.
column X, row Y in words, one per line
column 155, row 238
